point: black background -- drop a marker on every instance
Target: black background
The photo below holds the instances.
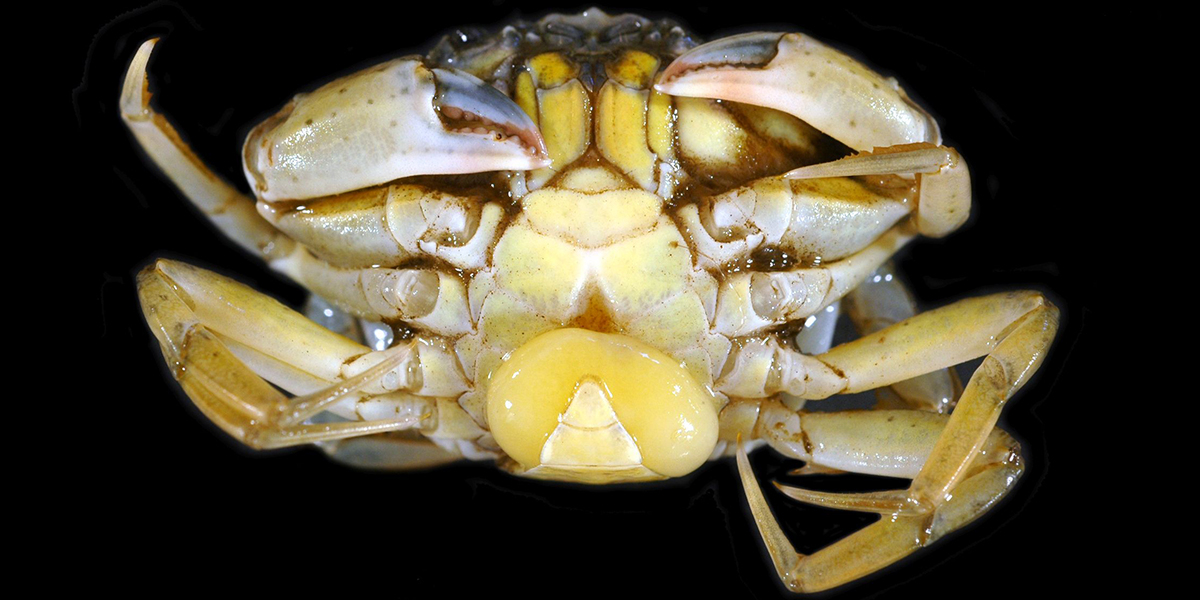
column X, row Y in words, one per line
column 192, row 505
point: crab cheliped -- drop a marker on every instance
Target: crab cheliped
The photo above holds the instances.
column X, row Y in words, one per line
column 591, row 249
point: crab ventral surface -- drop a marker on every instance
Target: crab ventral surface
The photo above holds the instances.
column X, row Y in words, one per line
column 606, row 253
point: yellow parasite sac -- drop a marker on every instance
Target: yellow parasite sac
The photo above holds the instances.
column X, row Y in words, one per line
column 603, row 407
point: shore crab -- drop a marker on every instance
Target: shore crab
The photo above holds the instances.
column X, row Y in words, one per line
column 700, row 201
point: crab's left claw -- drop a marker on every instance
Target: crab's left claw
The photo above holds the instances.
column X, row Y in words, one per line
column 844, row 99
column 396, row 120
column 944, row 193
column 798, row 75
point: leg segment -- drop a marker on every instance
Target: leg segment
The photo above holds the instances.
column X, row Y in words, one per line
column 231, row 211
column 392, row 451
column 750, row 302
column 963, row 471
column 883, row 300
column 763, row 367
column 889, row 443
column 391, row 225
column 1013, row 330
column 812, row 219
column 881, row 543
column 222, row 338
column 944, row 183
column 427, row 298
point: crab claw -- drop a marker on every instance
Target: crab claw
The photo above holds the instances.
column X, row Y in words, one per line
column 394, row 120
column 798, row 75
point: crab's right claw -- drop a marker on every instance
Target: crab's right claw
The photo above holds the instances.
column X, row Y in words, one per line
column 798, row 75
column 396, row 120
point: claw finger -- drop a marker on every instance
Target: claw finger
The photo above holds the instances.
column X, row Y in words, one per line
column 396, row 120
column 803, row 77
column 464, row 97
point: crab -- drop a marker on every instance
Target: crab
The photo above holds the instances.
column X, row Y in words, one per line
column 596, row 251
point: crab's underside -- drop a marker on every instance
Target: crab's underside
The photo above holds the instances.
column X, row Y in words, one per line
column 605, row 253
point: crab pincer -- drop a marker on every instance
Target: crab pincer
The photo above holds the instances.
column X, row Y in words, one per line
column 396, row 120
column 843, row 98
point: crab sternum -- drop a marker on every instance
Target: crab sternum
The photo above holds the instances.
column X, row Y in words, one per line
column 591, row 251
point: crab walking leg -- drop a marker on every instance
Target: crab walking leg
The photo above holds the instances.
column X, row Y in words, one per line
column 889, row 443
column 229, row 210
column 829, row 218
column 944, row 182
column 881, row 543
column 752, row 301
column 762, row 367
column 223, row 339
column 883, row 300
column 232, row 395
column 1013, row 331
column 248, row 319
column 387, row 451
column 292, row 351
column 430, row 299
column 391, row 225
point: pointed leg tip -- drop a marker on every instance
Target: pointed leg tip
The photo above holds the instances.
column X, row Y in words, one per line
column 146, row 48
column 135, row 97
column 885, row 503
column 814, row 469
